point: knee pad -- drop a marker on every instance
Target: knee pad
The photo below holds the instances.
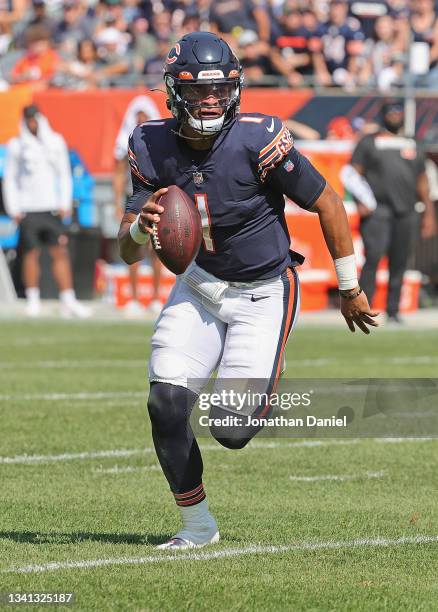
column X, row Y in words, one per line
column 169, row 407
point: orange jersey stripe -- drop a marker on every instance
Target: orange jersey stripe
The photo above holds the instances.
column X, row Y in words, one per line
column 290, row 305
column 140, row 176
column 273, row 142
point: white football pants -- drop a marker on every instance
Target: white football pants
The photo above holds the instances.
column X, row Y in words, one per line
column 244, row 335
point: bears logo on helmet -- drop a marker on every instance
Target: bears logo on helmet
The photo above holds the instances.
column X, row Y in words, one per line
column 173, row 54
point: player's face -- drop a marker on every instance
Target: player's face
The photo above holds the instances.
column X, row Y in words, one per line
column 207, row 101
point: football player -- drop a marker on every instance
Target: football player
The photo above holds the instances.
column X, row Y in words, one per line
column 234, row 308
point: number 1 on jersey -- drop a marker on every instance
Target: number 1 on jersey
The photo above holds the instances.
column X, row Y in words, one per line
column 202, row 204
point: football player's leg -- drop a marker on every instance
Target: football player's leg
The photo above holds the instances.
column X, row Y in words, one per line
column 169, row 407
column 254, row 351
column 186, row 347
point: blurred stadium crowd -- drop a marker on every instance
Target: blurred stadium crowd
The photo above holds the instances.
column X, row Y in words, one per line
column 82, row 44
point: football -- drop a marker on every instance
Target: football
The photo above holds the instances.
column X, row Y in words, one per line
column 177, row 237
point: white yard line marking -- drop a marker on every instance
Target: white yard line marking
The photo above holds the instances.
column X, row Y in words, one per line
column 400, row 440
column 141, row 363
column 409, row 359
column 86, row 455
column 336, row 477
column 220, row 554
column 23, row 459
column 70, row 364
column 401, row 360
column 302, row 444
column 413, row 414
column 117, row 469
column 74, row 456
column 60, row 397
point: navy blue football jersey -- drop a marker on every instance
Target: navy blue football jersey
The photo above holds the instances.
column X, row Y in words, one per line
column 238, row 186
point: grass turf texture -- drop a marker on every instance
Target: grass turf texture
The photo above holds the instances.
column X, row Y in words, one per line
column 75, row 510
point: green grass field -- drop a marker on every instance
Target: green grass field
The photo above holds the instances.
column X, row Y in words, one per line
column 80, row 484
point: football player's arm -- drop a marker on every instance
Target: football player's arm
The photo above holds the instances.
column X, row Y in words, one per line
column 298, row 179
column 135, row 228
column 336, row 230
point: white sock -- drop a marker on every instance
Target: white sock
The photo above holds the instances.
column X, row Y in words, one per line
column 191, row 515
column 67, row 296
column 32, row 294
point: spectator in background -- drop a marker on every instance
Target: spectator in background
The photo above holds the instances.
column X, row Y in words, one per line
column 111, row 51
column 40, row 16
column 11, row 12
column 424, row 24
column 275, row 10
column 111, row 14
column 82, row 72
column 399, row 8
column 228, row 19
column 384, row 57
column 310, row 22
column 337, row 61
column 143, row 43
column 37, row 192
column 131, row 10
column 115, row 14
column 75, row 25
column 162, row 25
column 253, row 57
column 367, row 12
column 140, row 109
column 190, row 23
column 393, row 166
column 203, row 9
column 290, row 54
column 37, row 17
column 40, row 62
column 153, row 68
column 400, row 11
column 95, row 65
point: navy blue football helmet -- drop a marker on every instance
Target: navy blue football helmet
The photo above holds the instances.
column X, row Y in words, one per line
column 200, row 64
